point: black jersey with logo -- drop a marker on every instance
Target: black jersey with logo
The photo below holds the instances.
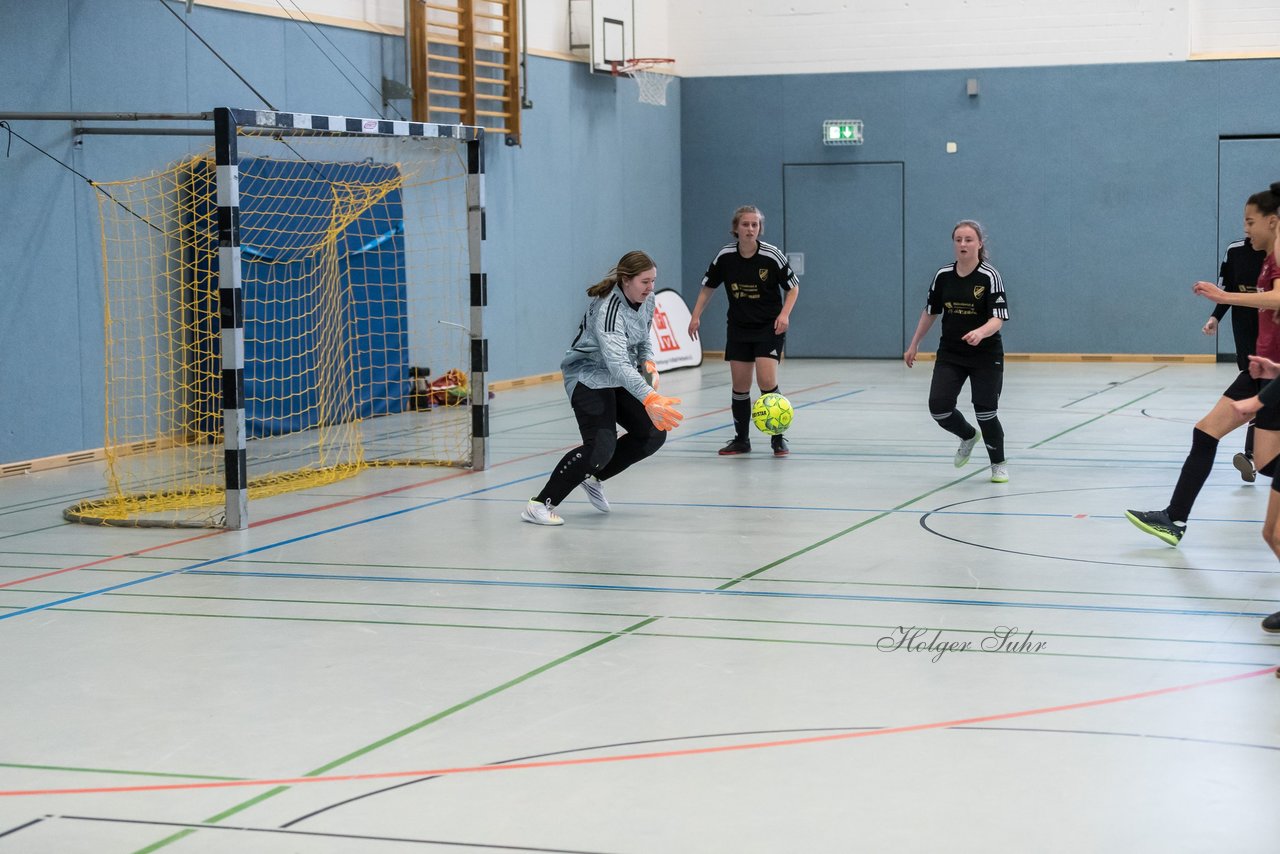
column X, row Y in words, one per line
column 965, row 303
column 754, row 286
column 1238, row 274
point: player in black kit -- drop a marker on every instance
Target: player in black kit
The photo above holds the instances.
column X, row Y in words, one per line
column 756, row 277
column 1239, row 275
column 969, row 295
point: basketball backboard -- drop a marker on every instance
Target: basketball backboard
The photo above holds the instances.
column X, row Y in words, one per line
column 605, row 29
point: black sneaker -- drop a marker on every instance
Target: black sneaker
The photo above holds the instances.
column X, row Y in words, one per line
column 1158, row 524
column 736, row 446
column 1272, row 623
column 779, row 445
column 1244, row 465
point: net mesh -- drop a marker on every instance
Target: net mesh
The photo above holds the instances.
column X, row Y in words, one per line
column 652, row 82
column 355, row 275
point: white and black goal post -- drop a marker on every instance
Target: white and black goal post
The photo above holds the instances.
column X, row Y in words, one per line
column 302, row 302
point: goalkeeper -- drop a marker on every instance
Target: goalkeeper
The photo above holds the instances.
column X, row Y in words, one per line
column 611, row 380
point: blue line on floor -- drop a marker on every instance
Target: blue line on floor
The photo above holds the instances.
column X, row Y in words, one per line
column 197, row 566
column 701, row 591
column 875, row 510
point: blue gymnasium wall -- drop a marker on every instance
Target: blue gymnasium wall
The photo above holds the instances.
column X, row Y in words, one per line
column 1098, row 184
column 598, row 174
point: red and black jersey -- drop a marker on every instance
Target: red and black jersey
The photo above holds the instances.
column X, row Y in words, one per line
column 1268, row 329
column 754, row 285
column 965, row 303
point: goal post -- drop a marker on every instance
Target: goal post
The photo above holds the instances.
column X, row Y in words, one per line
column 302, row 302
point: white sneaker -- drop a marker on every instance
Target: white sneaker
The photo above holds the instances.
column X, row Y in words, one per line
column 595, row 492
column 966, row 448
column 540, row 514
column 999, row 473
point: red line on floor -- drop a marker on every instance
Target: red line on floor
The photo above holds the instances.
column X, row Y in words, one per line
column 632, row 757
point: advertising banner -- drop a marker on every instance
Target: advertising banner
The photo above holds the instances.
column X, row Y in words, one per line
column 672, row 346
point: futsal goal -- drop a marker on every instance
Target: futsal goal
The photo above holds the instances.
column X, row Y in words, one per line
column 299, row 303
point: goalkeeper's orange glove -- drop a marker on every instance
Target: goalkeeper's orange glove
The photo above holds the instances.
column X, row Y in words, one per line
column 649, row 371
column 662, row 412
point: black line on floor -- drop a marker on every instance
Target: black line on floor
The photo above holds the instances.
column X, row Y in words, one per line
column 362, row 838
column 14, row 830
column 534, row 756
column 1185, row 738
column 924, row 519
column 777, row 732
column 1115, row 385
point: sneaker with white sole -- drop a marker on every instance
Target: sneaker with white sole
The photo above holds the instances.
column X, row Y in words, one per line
column 965, row 449
column 540, row 513
column 999, row 473
column 1244, row 465
column 595, row 493
column 1272, row 623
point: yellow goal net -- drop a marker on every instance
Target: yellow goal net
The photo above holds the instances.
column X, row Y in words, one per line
column 348, row 345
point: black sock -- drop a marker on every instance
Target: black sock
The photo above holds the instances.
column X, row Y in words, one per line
column 1248, row 441
column 741, row 413
column 954, row 422
column 1195, row 471
column 992, row 436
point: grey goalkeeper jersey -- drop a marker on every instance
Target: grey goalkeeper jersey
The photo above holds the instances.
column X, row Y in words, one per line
column 611, row 342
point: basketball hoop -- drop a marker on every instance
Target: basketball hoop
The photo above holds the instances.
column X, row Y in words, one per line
column 652, row 81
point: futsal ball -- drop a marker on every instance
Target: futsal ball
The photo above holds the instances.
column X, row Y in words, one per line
column 772, row 414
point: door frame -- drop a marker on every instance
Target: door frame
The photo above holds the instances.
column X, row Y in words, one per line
column 1228, row 355
column 903, row 237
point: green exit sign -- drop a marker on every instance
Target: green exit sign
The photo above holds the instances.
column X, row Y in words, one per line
column 842, row 132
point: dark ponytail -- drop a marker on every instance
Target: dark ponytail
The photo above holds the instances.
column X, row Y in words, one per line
column 1268, row 201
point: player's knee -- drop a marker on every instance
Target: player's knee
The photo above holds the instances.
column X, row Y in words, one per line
column 940, row 411
column 1271, row 536
column 1269, row 470
column 600, row 449
column 654, row 441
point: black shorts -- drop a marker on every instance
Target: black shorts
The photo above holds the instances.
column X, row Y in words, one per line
column 768, row 347
column 1267, row 418
column 1245, row 387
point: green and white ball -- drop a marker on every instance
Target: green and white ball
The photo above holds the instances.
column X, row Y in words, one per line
column 772, row 414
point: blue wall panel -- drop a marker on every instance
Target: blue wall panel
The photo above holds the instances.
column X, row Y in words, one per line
column 1098, row 183
column 598, row 174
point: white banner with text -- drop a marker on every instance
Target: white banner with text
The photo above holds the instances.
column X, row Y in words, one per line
column 672, row 346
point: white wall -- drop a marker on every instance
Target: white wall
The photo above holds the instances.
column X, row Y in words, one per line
column 548, row 26
column 547, row 21
column 1235, row 28
column 737, row 37
column 376, row 15
column 731, row 37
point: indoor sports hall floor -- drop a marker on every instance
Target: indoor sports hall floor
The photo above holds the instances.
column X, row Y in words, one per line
column 398, row 664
